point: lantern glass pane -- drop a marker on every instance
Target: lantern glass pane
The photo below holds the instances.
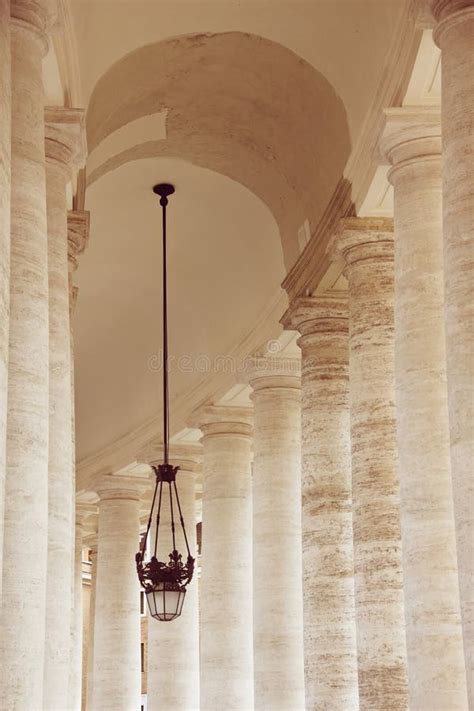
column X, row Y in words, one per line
column 165, row 604
column 181, row 600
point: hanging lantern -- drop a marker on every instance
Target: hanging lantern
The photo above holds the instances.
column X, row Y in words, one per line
column 164, row 583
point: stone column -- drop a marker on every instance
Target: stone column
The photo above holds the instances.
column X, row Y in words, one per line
column 77, row 239
column 22, row 632
column 90, row 637
column 5, row 178
column 277, row 556
column 64, row 132
column 368, row 249
column 226, row 578
column 173, row 679
column 83, row 511
column 455, row 36
column 117, row 677
column 328, row 573
column 437, row 680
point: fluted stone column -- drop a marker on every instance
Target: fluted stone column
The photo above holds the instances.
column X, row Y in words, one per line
column 277, row 553
column 226, row 578
column 437, row 680
column 328, row 571
column 5, row 179
column 116, row 681
column 22, row 632
column 90, row 637
column 455, row 36
column 173, row 678
column 367, row 247
column 63, row 143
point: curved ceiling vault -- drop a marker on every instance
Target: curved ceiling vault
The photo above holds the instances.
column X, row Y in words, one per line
column 256, row 140
column 240, row 105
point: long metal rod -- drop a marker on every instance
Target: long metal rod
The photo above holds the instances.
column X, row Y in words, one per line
column 163, row 203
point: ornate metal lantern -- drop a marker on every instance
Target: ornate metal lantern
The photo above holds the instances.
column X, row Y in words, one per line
column 164, row 583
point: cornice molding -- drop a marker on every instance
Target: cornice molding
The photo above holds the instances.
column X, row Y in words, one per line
column 65, row 136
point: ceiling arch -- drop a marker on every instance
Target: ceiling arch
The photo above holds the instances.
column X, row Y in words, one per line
column 237, row 104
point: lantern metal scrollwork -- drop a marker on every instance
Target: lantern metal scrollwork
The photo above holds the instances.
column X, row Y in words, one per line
column 164, row 583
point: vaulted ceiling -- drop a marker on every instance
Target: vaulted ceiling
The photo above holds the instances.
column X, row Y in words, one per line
column 251, row 109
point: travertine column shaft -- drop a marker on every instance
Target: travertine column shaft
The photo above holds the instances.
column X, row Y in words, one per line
column 77, row 238
column 368, row 250
column 173, row 679
column 75, row 618
column 455, row 36
column 22, row 630
column 226, row 580
column 5, row 178
column 76, row 653
column 63, row 128
column 437, row 680
column 277, row 553
column 116, row 681
column 328, row 571
column 90, row 637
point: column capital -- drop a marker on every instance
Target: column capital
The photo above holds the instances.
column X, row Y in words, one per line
column 411, row 133
column 271, row 372
column 78, row 224
column 364, row 238
column 83, row 512
column 90, row 541
column 449, row 12
column 117, row 486
column 65, row 137
column 223, row 420
column 36, row 16
column 185, row 456
column 317, row 314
